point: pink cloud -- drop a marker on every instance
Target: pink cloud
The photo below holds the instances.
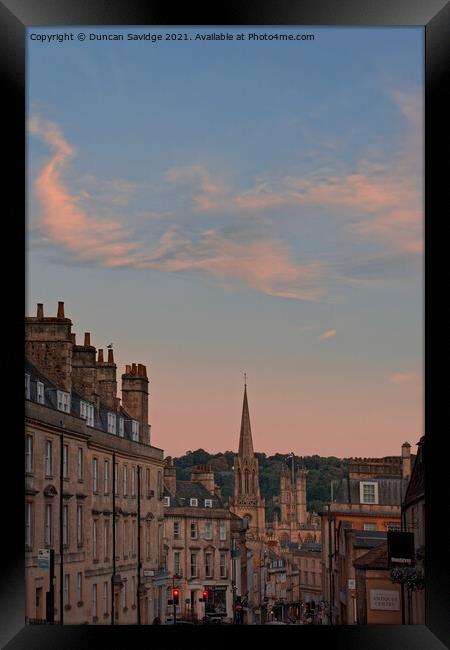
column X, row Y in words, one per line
column 62, row 217
column 328, row 334
column 399, row 378
column 264, row 264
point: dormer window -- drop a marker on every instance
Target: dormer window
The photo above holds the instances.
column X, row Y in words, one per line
column 63, row 400
column 27, row 386
column 167, row 501
column 208, row 503
column 368, row 492
column 87, row 412
column 193, row 502
column 40, row 392
column 121, row 428
column 112, row 423
column 135, row 430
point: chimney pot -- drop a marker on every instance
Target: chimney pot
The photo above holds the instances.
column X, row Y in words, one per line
column 110, row 356
column 127, row 370
column 73, row 338
column 40, row 310
column 133, row 369
column 87, row 338
column 60, row 313
column 100, row 356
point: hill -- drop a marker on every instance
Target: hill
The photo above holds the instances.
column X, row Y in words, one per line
column 321, row 471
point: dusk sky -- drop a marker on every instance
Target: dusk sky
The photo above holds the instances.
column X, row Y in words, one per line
column 215, row 208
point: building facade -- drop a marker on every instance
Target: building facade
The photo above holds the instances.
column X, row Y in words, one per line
column 94, row 482
column 197, row 547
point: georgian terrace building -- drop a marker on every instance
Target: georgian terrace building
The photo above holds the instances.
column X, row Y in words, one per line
column 93, row 482
column 197, row 544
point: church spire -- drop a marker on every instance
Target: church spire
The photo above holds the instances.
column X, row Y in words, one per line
column 245, row 439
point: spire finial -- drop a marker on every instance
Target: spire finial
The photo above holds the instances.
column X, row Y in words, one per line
column 245, row 379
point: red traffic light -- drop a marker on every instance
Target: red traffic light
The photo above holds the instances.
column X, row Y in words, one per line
column 175, row 592
column 205, row 595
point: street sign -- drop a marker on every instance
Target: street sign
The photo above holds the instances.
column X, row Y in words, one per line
column 148, row 573
column 43, row 558
column 400, row 548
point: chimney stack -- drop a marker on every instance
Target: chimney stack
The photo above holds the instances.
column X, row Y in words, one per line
column 204, row 475
column 48, row 345
column 170, row 476
column 60, row 313
column 135, row 398
column 73, row 338
column 107, row 379
column 84, row 369
column 87, row 339
column 406, row 460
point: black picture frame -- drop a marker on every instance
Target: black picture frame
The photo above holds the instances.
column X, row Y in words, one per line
column 15, row 16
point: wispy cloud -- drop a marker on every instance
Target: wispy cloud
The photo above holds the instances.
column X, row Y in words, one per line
column 403, row 378
column 329, row 334
column 62, row 216
column 262, row 263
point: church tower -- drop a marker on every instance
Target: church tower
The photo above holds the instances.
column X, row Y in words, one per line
column 247, row 502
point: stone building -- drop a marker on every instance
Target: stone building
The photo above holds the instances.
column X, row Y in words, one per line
column 93, row 481
column 309, row 560
column 378, row 600
column 292, row 522
column 197, row 543
column 368, row 499
column 413, row 512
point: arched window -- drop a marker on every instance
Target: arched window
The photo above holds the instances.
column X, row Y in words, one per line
column 246, row 482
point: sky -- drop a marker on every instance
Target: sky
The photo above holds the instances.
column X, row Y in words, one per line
column 219, row 207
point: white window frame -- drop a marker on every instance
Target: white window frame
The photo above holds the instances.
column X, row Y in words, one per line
column 106, row 476
column 208, row 530
column 361, row 492
column 167, row 501
column 135, row 430
column 223, row 567
column 94, row 600
column 368, row 525
column 121, row 428
column 193, row 502
column 105, row 538
column 194, row 564
column 29, row 453
column 39, row 392
column 67, row 589
column 112, row 423
column 65, row 461
column 27, row 386
column 116, row 478
column 48, row 524
column 63, row 401
column 48, row 457
column 124, row 480
column 133, row 481
column 176, row 530
column 222, row 531
column 28, row 524
column 105, row 597
column 79, row 524
column 65, row 525
column 193, row 529
column 94, row 540
column 95, row 475
column 80, row 463
column 177, row 562
column 208, row 503
column 79, row 586
column 210, row 573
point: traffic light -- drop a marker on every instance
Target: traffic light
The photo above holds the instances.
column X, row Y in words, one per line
column 176, row 596
column 205, row 595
